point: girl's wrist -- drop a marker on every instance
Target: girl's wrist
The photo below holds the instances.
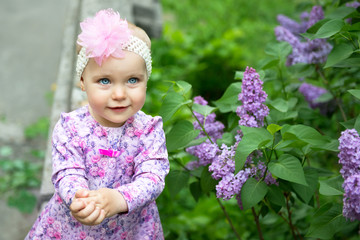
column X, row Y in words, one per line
column 120, row 205
column 123, row 207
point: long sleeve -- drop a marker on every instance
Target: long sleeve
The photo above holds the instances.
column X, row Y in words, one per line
column 68, row 164
column 151, row 165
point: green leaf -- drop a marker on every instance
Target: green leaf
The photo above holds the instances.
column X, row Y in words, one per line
column 252, row 192
column 182, row 87
column 329, row 29
column 171, row 104
column 355, row 93
column 325, row 97
column 239, row 75
column 24, row 201
column 204, row 110
column 229, row 101
column 341, row 13
column 289, row 168
column 353, row 61
column 314, row 28
column 180, row 135
column 339, row 53
column 268, row 63
column 280, row 105
column 332, row 186
column 355, row 27
column 279, row 49
column 357, row 124
column 322, row 172
column 306, row 134
column 273, row 128
column 227, row 139
column 301, row 70
column 278, row 116
column 327, row 221
column 276, row 196
column 307, row 192
column 349, row 123
column 195, row 142
column 251, row 140
column 195, row 190
column 206, row 181
column 333, row 146
column 176, row 180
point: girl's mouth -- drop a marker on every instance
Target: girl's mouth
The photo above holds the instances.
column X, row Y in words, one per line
column 118, row 109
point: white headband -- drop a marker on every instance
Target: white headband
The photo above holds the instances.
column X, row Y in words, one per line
column 135, row 45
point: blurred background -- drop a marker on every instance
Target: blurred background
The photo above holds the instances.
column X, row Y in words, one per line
column 202, row 42
column 30, row 47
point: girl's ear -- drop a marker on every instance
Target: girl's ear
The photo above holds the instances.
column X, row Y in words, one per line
column 82, row 85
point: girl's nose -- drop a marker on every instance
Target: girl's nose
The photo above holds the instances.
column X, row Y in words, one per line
column 118, row 93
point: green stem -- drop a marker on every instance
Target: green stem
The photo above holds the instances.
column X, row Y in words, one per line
column 268, row 159
column 201, row 125
column 228, row 219
column 282, row 83
column 256, row 217
column 292, row 227
column 221, row 205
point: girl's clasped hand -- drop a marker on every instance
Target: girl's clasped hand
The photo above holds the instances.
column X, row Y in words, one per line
column 92, row 207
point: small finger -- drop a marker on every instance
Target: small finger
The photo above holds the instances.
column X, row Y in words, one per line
column 77, row 205
column 85, row 212
column 101, row 217
column 91, row 219
column 82, row 193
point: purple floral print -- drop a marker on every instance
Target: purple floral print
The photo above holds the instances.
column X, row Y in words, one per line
column 137, row 171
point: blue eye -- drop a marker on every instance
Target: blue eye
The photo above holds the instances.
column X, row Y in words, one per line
column 104, row 81
column 133, row 80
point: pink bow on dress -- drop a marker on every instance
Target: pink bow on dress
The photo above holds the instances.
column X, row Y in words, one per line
column 109, row 152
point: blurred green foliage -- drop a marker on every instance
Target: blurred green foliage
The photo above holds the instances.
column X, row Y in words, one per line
column 205, row 42
column 19, row 175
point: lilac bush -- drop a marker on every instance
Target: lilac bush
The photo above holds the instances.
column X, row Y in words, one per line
column 275, row 163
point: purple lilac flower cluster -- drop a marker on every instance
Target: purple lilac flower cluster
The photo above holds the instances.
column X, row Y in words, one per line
column 253, row 111
column 304, row 51
column 311, row 93
column 354, row 4
column 208, row 150
column 221, row 162
column 349, row 158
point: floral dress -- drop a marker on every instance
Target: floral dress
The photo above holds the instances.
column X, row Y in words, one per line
column 132, row 159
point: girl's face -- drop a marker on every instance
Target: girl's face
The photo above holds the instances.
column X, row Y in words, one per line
column 116, row 90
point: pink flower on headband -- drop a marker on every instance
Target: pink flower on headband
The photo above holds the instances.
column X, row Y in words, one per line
column 104, row 35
